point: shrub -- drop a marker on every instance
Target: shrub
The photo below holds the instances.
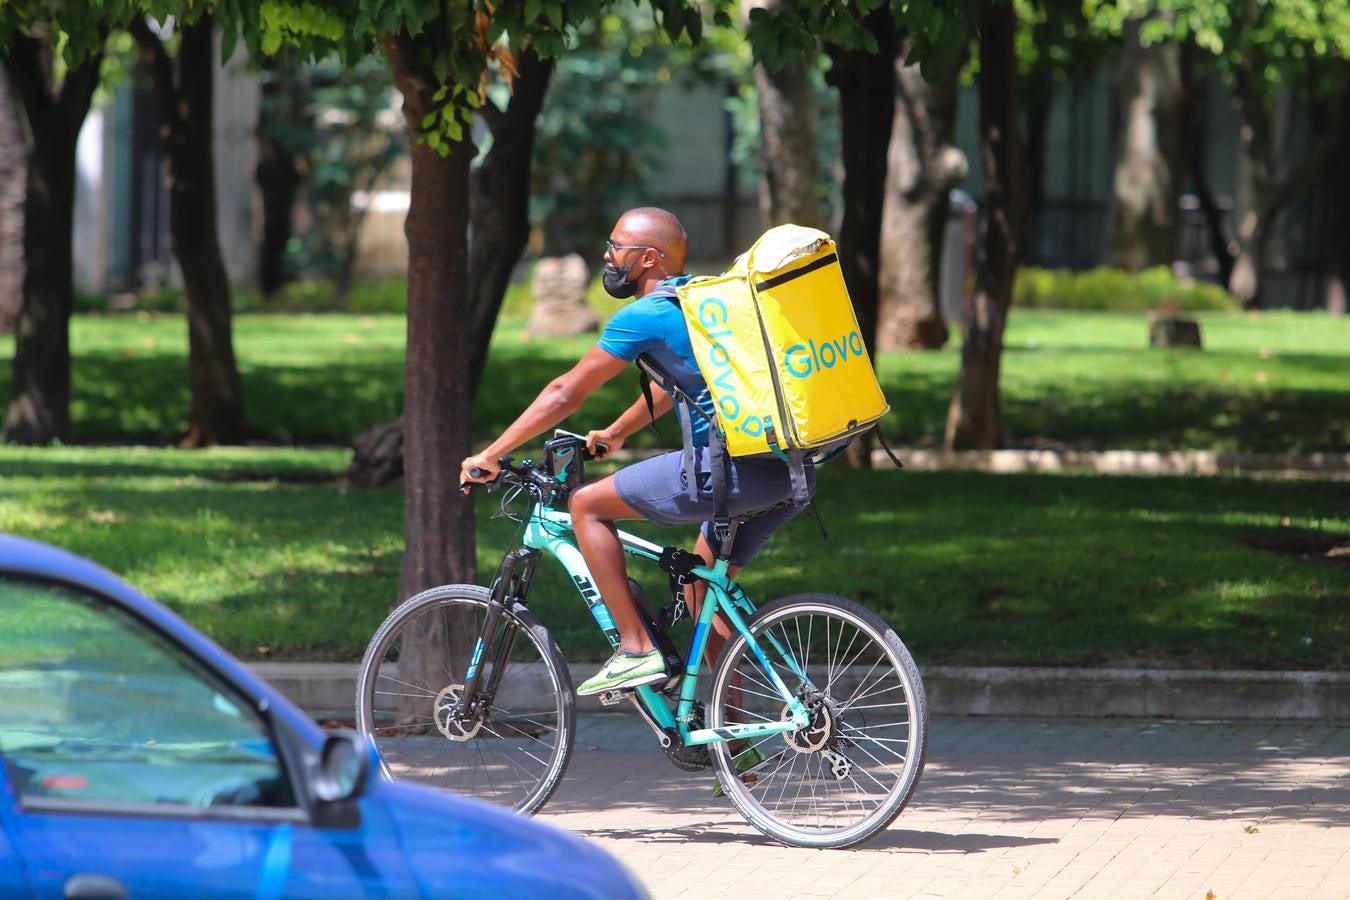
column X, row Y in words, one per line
column 1117, row 290
column 387, row 296
column 162, row 299
column 88, row 302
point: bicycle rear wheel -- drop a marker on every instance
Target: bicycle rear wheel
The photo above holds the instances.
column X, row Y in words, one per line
column 516, row 745
column 848, row 775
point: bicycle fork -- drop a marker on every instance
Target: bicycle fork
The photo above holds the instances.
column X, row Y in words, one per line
column 511, row 584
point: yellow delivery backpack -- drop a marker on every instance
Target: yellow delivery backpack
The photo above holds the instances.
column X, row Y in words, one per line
column 776, row 340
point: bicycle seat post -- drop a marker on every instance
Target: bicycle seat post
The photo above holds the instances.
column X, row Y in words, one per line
column 727, row 541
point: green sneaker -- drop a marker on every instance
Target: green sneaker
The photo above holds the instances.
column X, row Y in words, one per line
column 746, row 760
column 625, row 670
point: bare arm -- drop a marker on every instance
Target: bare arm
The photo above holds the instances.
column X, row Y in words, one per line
column 630, row 422
column 562, row 396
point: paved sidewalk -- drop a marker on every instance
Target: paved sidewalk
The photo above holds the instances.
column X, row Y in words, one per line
column 1006, row 808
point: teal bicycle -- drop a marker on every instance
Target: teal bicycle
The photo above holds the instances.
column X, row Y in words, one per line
column 815, row 720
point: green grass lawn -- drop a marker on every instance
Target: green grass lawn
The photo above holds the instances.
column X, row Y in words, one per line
column 1275, row 381
column 263, row 551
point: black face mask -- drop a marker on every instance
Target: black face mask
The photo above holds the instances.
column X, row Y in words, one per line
column 616, row 282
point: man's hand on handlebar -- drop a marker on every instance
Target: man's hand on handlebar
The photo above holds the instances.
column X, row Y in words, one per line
column 600, row 444
column 479, row 469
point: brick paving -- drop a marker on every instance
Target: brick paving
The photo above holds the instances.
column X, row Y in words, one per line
column 1006, row 808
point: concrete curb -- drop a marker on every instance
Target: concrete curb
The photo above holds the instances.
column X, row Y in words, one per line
column 1332, row 466
column 328, row 690
column 1128, row 462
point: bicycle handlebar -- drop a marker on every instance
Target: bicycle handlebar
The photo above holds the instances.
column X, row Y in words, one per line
column 527, row 472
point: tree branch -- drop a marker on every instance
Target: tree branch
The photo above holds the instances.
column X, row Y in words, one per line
column 411, row 79
column 77, row 91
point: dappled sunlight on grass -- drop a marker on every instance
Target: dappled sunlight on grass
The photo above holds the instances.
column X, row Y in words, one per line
column 1274, row 382
column 265, row 554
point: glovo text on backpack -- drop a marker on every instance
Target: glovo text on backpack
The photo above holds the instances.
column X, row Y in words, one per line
column 778, row 343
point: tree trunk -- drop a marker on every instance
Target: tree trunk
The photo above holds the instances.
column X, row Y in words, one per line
column 1265, row 190
column 1143, row 224
column 500, row 226
column 216, row 415
column 278, row 172
column 789, row 180
column 1195, row 94
column 866, row 85
column 499, row 203
column 1338, row 228
column 974, row 420
column 923, row 167
column 731, row 176
column 13, row 177
column 438, row 523
column 1038, row 100
column 39, row 406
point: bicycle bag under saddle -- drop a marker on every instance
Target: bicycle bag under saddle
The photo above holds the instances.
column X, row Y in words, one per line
column 779, row 346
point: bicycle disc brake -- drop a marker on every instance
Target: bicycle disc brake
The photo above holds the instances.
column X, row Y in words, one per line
column 447, row 712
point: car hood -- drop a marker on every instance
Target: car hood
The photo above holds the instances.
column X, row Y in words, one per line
column 465, row 848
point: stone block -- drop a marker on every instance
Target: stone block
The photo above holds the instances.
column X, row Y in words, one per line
column 1174, row 332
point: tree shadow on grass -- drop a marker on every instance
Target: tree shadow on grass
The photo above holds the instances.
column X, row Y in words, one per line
column 968, row 567
column 134, row 396
column 261, row 469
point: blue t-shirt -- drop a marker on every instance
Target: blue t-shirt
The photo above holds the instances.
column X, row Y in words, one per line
column 654, row 325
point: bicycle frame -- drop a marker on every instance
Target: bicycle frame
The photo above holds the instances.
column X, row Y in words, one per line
column 550, row 530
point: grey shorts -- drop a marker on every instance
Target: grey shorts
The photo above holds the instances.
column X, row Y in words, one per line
column 659, row 490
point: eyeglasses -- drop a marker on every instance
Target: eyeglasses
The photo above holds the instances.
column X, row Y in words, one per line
column 610, row 247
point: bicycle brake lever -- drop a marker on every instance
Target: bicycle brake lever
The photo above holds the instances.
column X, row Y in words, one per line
column 475, row 472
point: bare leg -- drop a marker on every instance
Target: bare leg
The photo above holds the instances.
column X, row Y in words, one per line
column 594, row 509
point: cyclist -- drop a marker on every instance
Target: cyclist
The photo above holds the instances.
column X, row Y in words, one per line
column 644, row 258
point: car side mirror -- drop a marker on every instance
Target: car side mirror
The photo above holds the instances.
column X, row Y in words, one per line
column 344, row 767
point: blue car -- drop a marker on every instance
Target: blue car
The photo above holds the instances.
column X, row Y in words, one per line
column 140, row 759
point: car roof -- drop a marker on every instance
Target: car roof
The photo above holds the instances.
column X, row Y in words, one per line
column 23, row 556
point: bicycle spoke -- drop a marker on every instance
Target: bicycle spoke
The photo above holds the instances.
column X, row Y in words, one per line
column 876, row 706
column 894, row 687
column 829, row 684
column 416, row 687
column 863, row 737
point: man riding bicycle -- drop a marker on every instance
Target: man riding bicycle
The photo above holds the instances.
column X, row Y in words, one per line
column 645, row 258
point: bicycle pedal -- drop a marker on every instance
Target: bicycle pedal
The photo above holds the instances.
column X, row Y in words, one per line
column 615, row 697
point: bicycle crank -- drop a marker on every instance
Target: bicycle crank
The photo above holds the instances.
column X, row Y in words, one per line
column 447, row 714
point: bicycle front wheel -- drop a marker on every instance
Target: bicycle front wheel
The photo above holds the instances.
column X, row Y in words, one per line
column 513, row 748
column 848, row 774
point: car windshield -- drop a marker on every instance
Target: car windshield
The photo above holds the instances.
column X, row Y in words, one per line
column 97, row 706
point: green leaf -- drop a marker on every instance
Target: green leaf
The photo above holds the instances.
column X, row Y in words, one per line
column 229, row 39
column 555, row 13
column 428, row 120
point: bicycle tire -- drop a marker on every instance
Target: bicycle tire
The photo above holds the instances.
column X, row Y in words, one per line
column 508, row 759
column 847, row 736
